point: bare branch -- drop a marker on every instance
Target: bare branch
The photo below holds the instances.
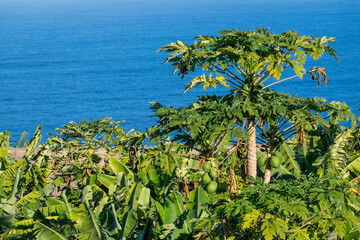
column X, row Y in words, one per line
column 283, row 80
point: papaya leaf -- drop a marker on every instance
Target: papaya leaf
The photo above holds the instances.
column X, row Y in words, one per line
column 299, row 234
column 251, row 218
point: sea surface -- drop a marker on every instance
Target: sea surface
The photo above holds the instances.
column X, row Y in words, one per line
column 64, row 60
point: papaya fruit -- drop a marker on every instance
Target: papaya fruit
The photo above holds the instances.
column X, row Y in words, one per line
column 275, row 162
column 206, row 179
column 213, row 173
column 206, row 167
column 222, row 187
column 212, row 187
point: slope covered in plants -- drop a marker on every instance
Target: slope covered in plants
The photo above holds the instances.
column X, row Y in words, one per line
column 188, row 177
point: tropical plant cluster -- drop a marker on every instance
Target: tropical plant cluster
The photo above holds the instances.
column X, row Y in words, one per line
column 251, row 164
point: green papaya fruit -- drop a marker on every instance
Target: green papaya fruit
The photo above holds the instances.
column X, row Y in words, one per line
column 222, row 187
column 275, row 162
column 212, row 187
column 206, row 166
column 213, row 173
column 206, row 179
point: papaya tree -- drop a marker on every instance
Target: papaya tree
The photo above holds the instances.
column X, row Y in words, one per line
column 284, row 117
column 202, row 126
column 244, row 61
column 206, row 126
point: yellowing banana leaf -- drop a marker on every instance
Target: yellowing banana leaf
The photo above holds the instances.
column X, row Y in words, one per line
column 3, row 152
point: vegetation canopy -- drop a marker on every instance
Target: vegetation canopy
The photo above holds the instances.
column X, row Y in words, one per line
column 238, row 58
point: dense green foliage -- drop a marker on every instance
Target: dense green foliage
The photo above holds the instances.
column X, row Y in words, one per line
column 186, row 177
column 88, row 191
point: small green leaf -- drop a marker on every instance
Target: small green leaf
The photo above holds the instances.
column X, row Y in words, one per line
column 3, row 152
column 58, row 182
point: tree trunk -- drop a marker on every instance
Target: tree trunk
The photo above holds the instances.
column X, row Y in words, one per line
column 267, row 174
column 227, row 228
column 251, row 144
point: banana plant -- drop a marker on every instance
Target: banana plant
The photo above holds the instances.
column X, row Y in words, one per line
column 22, row 185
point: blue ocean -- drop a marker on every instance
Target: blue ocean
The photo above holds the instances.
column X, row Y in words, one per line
column 63, row 60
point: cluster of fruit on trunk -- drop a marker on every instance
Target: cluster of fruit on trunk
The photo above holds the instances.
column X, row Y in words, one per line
column 209, row 180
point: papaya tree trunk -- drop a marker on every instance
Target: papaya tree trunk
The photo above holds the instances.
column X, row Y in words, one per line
column 251, row 144
column 227, row 228
column 267, row 174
